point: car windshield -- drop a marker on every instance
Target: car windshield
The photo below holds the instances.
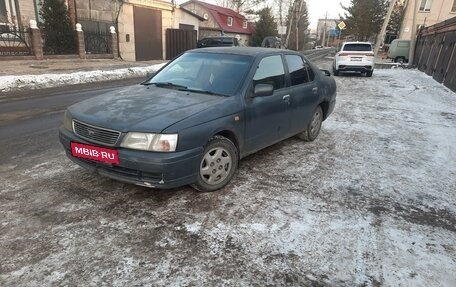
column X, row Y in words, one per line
column 212, row 73
column 357, row 47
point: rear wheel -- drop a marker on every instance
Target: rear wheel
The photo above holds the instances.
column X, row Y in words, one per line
column 369, row 73
column 335, row 72
column 217, row 167
column 399, row 60
column 313, row 128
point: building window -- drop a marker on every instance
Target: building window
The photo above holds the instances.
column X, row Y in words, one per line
column 425, row 5
column 3, row 12
column 453, row 9
column 244, row 23
column 230, row 21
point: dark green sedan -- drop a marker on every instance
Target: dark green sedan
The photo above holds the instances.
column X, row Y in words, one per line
column 193, row 120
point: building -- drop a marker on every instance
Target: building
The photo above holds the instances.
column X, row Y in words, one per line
column 219, row 21
column 147, row 29
column 427, row 13
column 141, row 24
column 323, row 27
column 17, row 13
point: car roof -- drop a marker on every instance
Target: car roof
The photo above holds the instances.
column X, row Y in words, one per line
column 219, row 37
column 367, row 43
column 248, row 51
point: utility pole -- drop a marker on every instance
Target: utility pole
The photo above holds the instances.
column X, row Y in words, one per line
column 298, row 18
column 381, row 35
column 413, row 40
column 324, row 30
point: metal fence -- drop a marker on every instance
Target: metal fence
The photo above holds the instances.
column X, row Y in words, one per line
column 435, row 52
column 97, row 42
column 59, row 43
column 14, row 42
column 97, row 38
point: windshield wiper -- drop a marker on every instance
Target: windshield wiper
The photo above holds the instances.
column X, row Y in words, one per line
column 202, row 92
column 166, row 85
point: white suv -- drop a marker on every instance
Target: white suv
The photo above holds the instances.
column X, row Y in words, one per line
column 354, row 57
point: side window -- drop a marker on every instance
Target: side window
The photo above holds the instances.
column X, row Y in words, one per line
column 310, row 71
column 270, row 71
column 300, row 71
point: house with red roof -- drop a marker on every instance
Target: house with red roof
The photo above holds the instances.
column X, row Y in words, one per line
column 219, row 21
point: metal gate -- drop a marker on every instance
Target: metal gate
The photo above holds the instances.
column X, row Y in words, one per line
column 179, row 41
column 148, row 34
column 14, row 42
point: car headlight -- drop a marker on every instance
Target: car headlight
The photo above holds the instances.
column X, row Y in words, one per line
column 68, row 121
column 150, row 142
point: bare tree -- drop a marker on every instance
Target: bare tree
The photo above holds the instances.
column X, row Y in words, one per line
column 297, row 24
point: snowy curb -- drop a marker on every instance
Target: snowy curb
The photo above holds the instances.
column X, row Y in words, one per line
column 32, row 82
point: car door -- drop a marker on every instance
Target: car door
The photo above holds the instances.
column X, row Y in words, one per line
column 267, row 117
column 304, row 94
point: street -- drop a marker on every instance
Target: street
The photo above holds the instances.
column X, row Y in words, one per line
column 371, row 202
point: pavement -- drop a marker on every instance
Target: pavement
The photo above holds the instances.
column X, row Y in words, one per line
column 20, row 75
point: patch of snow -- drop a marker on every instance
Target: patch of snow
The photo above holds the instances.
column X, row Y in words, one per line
column 12, row 83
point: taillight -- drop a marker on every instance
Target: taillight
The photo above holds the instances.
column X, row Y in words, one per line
column 343, row 54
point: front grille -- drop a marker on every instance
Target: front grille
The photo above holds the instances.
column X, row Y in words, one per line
column 95, row 134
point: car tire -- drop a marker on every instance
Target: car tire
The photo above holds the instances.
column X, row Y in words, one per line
column 218, row 164
column 313, row 127
column 400, row 60
column 369, row 73
column 335, row 72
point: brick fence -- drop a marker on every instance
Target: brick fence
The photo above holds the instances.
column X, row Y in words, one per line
column 36, row 46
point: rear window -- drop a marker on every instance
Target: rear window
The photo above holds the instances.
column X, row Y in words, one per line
column 357, row 47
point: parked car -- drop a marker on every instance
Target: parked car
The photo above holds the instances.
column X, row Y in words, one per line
column 354, row 57
column 218, row 42
column 198, row 116
column 399, row 51
column 272, row 42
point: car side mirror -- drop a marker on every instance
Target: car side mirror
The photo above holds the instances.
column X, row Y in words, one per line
column 326, row 73
column 263, row 90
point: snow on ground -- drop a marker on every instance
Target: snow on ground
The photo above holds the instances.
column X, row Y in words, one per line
column 371, row 202
column 13, row 83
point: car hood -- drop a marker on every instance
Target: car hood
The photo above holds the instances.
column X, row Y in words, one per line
column 141, row 108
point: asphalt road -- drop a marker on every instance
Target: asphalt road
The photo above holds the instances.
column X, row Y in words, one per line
column 369, row 203
column 26, row 114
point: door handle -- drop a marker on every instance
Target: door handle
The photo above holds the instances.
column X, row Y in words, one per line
column 286, row 98
column 315, row 90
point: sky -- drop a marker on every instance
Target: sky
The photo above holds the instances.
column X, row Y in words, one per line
column 317, row 9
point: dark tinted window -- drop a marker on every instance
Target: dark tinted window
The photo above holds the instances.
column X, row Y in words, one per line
column 300, row 71
column 310, row 71
column 270, row 71
column 357, row 47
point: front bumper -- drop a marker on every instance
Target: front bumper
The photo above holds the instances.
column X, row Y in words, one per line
column 150, row 169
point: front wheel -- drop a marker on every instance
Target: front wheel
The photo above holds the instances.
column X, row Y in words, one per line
column 313, row 128
column 369, row 73
column 217, row 167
